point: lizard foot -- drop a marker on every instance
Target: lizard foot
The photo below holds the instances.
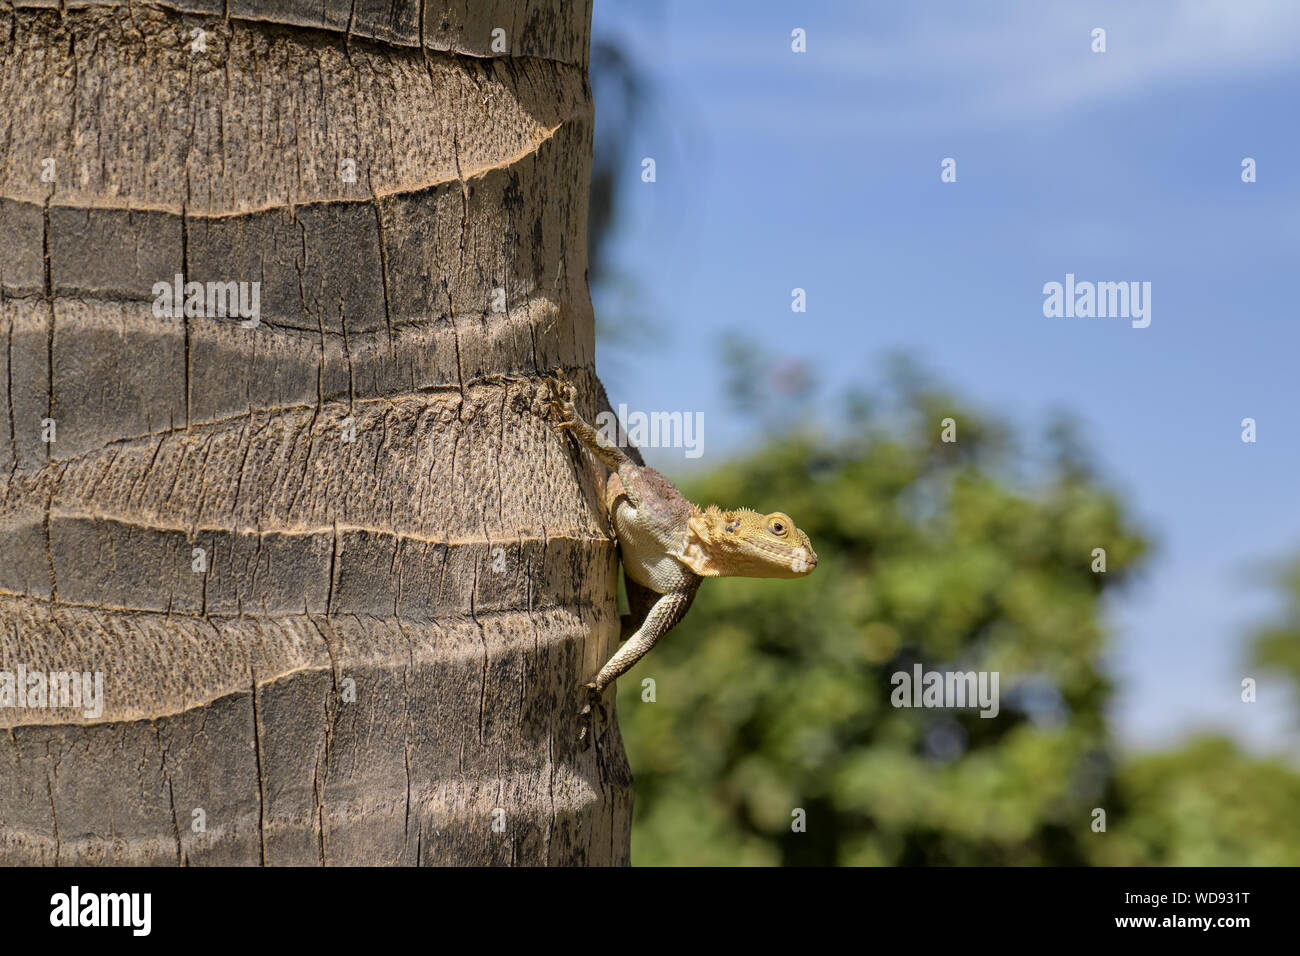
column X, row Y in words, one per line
column 594, row 703
column 562, row 402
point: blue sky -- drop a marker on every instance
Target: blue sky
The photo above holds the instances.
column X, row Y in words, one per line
column 820, row 170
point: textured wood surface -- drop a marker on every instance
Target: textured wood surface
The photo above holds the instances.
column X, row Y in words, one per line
column 449, row 564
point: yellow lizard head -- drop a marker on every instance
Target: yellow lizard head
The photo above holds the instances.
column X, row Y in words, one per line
column 746, row 544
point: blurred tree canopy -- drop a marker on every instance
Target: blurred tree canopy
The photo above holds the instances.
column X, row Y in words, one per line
column 774, row 696
column 1205, row 804
column 1276, row 647
column 623, row 98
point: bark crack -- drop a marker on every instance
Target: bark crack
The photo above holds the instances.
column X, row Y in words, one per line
column 261, row 776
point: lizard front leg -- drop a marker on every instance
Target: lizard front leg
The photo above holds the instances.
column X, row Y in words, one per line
column 563, row 405
column 664, row 615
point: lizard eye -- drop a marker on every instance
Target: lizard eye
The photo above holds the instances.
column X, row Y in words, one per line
column 778, row 526
column 732, row 526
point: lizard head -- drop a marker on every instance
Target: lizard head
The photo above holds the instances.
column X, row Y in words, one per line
column 746, row 544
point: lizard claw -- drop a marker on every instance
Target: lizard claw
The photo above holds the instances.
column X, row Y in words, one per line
column 562, row 401
column 585, row 715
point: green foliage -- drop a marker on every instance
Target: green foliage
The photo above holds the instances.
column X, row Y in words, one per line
column 1276, row 647
column 775, row 695
column 1204, row 805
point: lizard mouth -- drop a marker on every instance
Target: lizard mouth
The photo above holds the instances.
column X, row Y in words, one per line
column 800, row 560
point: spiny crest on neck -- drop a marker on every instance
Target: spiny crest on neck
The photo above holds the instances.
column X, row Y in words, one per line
column 712, row 522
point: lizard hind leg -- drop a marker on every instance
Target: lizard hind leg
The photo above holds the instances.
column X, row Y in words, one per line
column 666, row 610
column 640, row 600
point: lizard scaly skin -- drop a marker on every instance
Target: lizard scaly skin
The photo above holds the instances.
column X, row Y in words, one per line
column 668, row 545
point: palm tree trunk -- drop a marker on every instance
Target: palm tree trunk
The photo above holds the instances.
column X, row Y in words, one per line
column 339, row 577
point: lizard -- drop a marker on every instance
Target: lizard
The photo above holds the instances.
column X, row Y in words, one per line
column 668, row 546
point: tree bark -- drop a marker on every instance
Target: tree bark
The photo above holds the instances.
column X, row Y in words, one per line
column 340, row 577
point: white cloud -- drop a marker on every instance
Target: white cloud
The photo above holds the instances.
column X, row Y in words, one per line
column 947, row 65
